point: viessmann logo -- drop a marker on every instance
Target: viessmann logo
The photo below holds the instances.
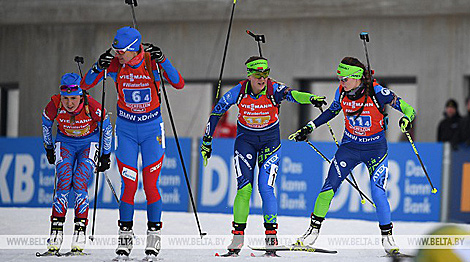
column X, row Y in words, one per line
column 252, row 107
column 353, row 104
column 132, row 77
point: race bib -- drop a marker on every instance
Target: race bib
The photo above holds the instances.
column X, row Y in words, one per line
column 137, row 96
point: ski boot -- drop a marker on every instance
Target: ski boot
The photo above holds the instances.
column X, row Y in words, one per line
column 387, row 240
column 57, row 234
column 79, row 236
column 237, row 240
column 125, row 238
column 271, row 239
column 311, row 235
column 153, row 238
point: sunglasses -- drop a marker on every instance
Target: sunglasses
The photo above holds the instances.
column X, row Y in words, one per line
column 343, row 79
column 69, row 88
column 258, row 74
column 121, row 51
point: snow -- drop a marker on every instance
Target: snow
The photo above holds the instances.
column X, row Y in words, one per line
column 35, row 221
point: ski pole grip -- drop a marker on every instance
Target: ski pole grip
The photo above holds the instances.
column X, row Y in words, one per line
column 79, row 59
column 131, row 2
column 364, row 36
column 251, row 33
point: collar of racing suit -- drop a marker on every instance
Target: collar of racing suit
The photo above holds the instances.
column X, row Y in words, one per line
column 137, row 59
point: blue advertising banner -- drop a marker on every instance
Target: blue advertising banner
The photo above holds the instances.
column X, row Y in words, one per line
column 459, row 201
column 27, row 179
column 302, row 172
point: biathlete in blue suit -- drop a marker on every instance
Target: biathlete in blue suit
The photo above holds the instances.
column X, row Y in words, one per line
column 139, row 127
column 258, row 141
column 362, row 101
column 73, row 153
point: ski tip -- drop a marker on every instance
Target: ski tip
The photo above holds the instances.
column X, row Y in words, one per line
column 252, row 254
column 38, row 254
column 434, row 190
column 217, row 255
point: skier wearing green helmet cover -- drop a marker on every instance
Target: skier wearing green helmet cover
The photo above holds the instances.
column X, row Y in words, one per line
column 362, row 101
column 258, row 140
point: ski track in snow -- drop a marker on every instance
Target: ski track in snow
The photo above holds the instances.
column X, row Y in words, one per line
column 35, row 221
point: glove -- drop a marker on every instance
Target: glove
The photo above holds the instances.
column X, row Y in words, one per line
column 155, row 52
column 50, row 155
column 301, row 134
column 405, row 124
column 104, row 163
column 105, row 59
column 206, row 149
column 318, row 101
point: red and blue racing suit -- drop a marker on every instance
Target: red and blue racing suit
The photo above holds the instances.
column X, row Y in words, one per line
column 257, row 141
column 76, row 145
column 139, row 127
column 363, row 142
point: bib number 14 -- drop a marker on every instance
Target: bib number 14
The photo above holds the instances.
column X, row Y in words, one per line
column 361, row 121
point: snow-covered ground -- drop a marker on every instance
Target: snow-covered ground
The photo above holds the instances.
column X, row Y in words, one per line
column 35, row 221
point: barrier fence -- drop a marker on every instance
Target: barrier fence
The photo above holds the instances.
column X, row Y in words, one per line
column 27, row 180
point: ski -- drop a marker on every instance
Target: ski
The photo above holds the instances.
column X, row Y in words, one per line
column 48, row 253
column 150, row 258
column 295, row 248
column 74, row 253
column 398, row 254
column 228, row 254
column 122, row 258
column 270, row 254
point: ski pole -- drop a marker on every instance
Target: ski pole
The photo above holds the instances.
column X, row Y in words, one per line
column 167, row 102
column 55, row 184
column 225, row 52
column 337, row 145
column 433, row 190
column 103, row 94
column 132, row 3
column 79, row 60
column 259, row 39
column 364, row 36
column 349, row 181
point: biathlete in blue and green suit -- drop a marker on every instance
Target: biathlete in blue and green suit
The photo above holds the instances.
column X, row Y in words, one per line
column 258, row 140
column 362, row 101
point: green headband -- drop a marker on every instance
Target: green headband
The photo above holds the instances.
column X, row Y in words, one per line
column 256, row 65
column 350, row 71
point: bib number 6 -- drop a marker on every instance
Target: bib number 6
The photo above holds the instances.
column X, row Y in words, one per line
column 137, row 96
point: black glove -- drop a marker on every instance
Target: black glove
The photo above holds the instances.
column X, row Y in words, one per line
column 301, row 134
column 104, row 163
column 405, row 124
column 318, row 101
column 155, row 52
column 206, row 149
column 105, row 59
column 50, row 155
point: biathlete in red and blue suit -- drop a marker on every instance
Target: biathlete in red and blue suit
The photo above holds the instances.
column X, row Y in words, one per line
column 76, row 144
column 139, row 125
column 362, row 101
column 258, row 141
